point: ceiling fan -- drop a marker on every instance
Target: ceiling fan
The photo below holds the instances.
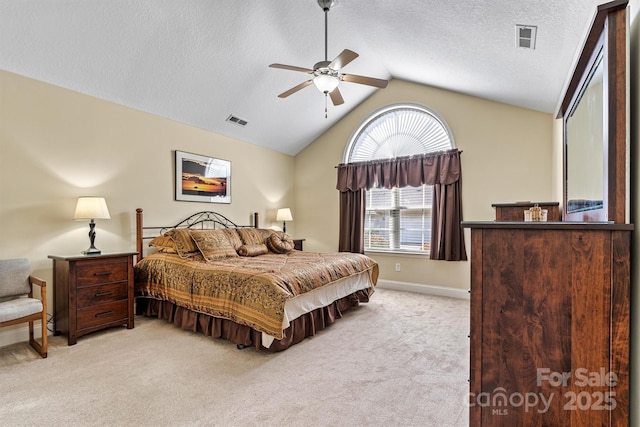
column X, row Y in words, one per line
column 327, row 75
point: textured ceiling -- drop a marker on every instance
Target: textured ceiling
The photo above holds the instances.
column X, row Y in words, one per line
column 197, row 62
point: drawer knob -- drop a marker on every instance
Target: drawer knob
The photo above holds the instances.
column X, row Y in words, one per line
column 103, row 273
column 103, row 294
column 106, row 313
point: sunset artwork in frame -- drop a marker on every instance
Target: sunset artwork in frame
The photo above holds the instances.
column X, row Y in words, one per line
column 202, row 179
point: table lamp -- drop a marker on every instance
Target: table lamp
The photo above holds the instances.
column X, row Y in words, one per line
column 284, row 215
column 91, row 208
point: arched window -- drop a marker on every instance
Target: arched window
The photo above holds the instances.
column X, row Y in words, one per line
column 398, row 219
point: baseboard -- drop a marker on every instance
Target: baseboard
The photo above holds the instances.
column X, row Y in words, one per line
column 17, row 335
column 424, row 289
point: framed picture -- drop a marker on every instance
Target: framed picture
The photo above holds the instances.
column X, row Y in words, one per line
column 202, row 179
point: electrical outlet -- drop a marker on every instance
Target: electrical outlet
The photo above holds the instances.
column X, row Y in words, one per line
column 397, row 266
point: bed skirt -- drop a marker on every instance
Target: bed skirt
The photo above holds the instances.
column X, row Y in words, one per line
column 300, row 328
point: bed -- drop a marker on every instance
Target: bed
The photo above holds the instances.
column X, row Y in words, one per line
column 244, row 283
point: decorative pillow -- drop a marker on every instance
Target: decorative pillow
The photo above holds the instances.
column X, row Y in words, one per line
column 164, row 244
column 266, row 232
column 251, row 236
column 185, row 246
column 253, row 250
column 213, row 244
column 233, row 237
column 280, row 243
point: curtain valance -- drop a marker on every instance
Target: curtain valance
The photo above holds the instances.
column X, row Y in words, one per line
column 431, row 169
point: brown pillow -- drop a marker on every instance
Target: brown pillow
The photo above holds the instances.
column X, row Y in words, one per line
column 185, row 246
column 266, row 232
column 253, row 250
column 164, row 244
column 233, row 237
column 251, row 236
column 213, row 244
column 280, row 243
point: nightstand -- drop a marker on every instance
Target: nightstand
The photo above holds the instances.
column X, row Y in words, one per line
column 92, row 292
column 297, row 244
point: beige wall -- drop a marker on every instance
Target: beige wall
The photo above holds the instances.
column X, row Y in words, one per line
column 56, row 145
column 506, row 157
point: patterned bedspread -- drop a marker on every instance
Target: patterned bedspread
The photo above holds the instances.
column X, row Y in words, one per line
column 250, row 291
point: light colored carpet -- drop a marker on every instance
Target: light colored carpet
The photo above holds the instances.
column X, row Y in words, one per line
column 400, row 360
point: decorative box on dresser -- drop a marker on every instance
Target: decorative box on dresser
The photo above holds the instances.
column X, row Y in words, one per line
column 515, row 211
column 550, row 308
column 92, row 292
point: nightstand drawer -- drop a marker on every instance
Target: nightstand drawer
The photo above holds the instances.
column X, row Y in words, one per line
column 102, row 314
column 94, row 274
column 100, row 294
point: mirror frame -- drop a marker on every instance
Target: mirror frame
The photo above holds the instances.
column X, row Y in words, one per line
column 608, row 33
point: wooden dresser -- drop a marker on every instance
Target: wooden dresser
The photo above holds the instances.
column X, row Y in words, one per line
column 549, row 324
column 92, row 292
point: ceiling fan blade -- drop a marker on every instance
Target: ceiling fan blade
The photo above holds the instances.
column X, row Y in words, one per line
column 295, row 89
column 343, row 59
column 292, row 68
column 369, row 81
column 336, row 97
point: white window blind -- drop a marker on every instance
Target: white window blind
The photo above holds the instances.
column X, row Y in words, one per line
column 398, row 219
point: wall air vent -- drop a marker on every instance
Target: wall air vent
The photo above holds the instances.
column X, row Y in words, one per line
column 237, row 120
column 526, row 36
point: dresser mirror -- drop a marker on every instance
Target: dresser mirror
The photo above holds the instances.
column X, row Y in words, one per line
column 594, row 111
column 585, row 142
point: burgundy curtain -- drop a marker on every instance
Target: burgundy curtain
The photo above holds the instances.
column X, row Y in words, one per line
column 352, row 221
column 442, row 170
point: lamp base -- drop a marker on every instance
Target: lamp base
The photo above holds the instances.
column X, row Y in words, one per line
column 92, row 238
column 92, row 251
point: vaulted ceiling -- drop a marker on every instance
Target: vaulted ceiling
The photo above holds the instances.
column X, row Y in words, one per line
column 199, row 61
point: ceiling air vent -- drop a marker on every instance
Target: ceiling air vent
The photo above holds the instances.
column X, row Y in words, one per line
column 526, row 36
column 237, row 120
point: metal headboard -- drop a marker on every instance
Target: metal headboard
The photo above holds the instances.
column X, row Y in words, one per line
column 202, row 220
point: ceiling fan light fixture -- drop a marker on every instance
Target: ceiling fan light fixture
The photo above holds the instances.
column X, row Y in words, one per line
column 326, row 4
column 325, row 83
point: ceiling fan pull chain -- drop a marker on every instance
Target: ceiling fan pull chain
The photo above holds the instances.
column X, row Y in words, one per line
column 325, row 105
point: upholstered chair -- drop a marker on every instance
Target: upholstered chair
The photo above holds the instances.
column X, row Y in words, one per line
column 17, row 304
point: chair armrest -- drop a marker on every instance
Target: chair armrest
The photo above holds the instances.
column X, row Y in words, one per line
column 43, row 290
column 37, row 281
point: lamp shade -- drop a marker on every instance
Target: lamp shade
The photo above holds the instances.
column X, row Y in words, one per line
column 325, row 83
column 284, row 214
column 91, row 208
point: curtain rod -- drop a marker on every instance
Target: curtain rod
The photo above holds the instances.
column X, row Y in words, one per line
column 404, row 157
